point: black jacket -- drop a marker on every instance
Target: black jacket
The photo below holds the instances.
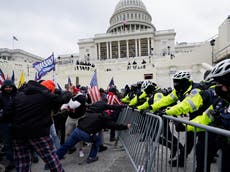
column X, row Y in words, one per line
column 96, row 119
column 31, row 110
column 5, row 100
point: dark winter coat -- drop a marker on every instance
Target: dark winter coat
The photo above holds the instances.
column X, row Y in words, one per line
column 31, row 110
column 5, row 100
column 96, row 119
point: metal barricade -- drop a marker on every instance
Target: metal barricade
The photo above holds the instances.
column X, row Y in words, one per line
column 153, row 144
column 141, row 141
column 196, row 151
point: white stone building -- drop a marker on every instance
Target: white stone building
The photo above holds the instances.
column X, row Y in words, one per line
column 130, row 34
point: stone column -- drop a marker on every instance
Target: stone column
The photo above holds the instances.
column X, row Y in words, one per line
column 148, row 44
column 127, row 48
column 107, row 50
column 119, row 49
column 139, row 47
column 96, row 51
column 110, row 48
column 99, row 50
column 136, row 48
column 152, row 45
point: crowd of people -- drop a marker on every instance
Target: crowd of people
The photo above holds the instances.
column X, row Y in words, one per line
column 38, row 119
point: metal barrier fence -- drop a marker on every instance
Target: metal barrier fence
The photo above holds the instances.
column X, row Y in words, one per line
column 197, row 153
column 141, row 141
column 153, row 144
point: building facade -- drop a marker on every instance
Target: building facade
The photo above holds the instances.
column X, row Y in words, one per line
column 130, row 34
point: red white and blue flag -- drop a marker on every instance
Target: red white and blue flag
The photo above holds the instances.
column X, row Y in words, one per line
column 113, row 99
column 14, row 38
column 93, row 89
column 111, row 84
column 2, row 77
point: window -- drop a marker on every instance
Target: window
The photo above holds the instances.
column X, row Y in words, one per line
column 148, row 76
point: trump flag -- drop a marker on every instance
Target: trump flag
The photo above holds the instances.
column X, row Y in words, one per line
column 44, row 67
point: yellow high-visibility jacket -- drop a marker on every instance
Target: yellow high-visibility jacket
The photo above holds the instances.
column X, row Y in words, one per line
column 190, row 104
column 169, row 99
column 145, row 105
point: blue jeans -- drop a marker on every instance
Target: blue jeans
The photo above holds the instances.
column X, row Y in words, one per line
column 76, row 136
column 55, row 137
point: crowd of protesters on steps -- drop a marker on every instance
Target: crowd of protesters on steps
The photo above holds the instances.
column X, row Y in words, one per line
column 39, row 119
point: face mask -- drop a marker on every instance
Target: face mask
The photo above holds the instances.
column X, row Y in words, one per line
column 181, row 85
column 223, row 94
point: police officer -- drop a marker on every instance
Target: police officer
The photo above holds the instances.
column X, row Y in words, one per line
column 193, row 106
column 218, row 115
column 147, row 88
column 182, row 87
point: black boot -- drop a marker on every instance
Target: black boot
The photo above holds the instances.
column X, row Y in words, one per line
column 102, row 148
column 72, row 150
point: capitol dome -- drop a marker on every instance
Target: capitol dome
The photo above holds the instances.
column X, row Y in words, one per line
column 130, row 15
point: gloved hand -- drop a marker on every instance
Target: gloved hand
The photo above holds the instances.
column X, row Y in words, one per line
column 143, row 112
column 150, row 101
column 132, row 108
column 179, row 127
column 160, row 113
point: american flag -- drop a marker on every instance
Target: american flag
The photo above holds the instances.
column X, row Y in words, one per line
column 93, row 89
column 14, row 38
column 2, row 77
column 124, row 21
column 113, row 99
column 111, row 83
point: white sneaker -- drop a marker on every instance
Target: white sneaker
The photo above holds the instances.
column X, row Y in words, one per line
column 81, row 154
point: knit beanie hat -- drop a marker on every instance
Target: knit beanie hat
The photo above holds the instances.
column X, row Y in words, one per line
column 49, row 85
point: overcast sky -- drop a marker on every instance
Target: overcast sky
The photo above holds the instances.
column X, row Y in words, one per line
column 46, row 26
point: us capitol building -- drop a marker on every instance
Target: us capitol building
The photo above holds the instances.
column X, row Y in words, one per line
column 131, row 50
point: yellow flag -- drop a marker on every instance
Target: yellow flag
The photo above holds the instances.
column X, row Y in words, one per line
column 21, row 80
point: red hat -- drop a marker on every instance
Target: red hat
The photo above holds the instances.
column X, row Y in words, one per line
column 49, row 85
column 75, row 90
